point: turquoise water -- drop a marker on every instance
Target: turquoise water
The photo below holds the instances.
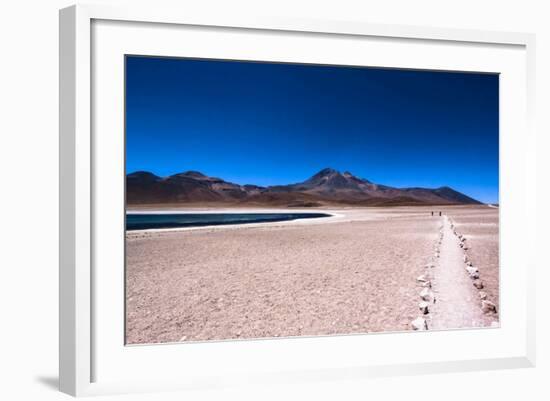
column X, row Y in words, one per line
column 156, row 221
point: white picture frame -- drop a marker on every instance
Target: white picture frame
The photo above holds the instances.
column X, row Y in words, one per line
column 79, row 369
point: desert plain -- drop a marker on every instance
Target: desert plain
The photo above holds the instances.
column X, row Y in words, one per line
column 362, row 270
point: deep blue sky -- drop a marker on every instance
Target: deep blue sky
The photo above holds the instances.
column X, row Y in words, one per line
column 265, row 123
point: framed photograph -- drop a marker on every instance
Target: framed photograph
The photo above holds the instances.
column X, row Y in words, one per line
column 277, row 200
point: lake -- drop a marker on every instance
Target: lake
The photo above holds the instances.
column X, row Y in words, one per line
column 136, row 221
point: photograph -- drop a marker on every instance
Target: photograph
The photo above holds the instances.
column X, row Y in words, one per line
column 274, row 199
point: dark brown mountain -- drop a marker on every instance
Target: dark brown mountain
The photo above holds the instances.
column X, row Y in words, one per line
column 327, row 187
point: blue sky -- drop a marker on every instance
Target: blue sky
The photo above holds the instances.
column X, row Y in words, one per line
column 270, row 123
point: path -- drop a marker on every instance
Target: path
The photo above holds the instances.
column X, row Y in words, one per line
column 457, row 300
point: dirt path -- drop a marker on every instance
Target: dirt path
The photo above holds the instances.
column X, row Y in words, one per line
column 457, row 300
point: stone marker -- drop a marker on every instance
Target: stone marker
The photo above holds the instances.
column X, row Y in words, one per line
column 422, row 278
column 423, row 306
column 488, row 307
column 426, row 294
column 472, row 269
column 478, row 284
column 473, row 272
column 427, row 284
column 419, row 324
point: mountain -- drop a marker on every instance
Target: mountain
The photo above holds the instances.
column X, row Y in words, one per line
column 327, row 187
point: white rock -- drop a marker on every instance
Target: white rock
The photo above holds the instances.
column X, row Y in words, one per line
column 488, row 307
column 471, row 269
column 423, row 306
column 473, row 272
column 427, row 284
column 419, row 324
column 495, row 324
column 478, row 284
column 422, row 278
column 426, row 294
column 482, row 295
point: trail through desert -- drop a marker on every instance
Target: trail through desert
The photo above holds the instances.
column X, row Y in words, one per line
column 457, row 300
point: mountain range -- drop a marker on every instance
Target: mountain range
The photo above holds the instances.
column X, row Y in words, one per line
column 327, row 187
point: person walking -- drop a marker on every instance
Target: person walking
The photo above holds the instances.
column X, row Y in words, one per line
column 440, row 213
column 432, row 213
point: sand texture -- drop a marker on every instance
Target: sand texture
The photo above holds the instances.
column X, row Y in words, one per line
column 353, row 273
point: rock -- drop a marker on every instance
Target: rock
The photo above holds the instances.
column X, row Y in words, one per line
column 183, row 338
column 426, row 294
column 473, row 272
column 430, row 266
column 419, row 324
column 482, row 294
column 478, row 284
column 427, row 284
column 488, row 307
column 465, row 259
column 472, row 269
column 423, row 306
column 422, row 278
column 495, row 324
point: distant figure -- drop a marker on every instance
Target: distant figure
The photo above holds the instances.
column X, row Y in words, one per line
column 432, row 213
column 440, row 213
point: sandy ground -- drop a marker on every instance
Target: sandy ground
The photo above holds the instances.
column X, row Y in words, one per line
column 352, row 273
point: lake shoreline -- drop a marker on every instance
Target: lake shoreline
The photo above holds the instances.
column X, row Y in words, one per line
column 163, row 221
